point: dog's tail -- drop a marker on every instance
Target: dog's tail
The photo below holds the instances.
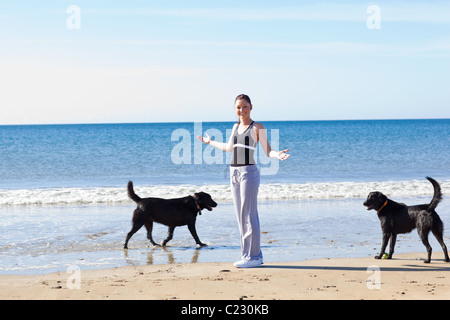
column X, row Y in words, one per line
column 437, row 194
column 133, row 196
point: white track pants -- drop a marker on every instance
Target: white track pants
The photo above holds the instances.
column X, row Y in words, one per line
column 244, row 186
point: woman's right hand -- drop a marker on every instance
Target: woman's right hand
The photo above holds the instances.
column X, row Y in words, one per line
column 206, row 140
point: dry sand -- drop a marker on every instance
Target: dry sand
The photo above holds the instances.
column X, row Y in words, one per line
column 403, row 277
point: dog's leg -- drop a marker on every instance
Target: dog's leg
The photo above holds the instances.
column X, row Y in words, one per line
column 169, row 236
column 149, row 227
column 393, row 239
column 423, row 234
column 438, row 234
column 191, row 227
column 386, row 237
column 136, row 226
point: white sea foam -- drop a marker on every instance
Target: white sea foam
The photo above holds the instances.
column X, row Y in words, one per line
column 221, row 193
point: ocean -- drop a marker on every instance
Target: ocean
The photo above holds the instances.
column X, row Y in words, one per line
column 63, row 194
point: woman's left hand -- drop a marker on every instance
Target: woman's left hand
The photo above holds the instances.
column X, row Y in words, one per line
column 282, row 155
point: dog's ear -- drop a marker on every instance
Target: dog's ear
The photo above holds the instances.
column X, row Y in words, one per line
column 203, row 195
column 381, row 197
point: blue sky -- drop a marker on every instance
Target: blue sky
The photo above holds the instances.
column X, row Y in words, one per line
column 164, row 61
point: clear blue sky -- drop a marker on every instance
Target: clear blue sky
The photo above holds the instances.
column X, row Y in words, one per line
column 158, row 61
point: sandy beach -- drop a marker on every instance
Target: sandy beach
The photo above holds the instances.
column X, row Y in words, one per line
column 404, row 277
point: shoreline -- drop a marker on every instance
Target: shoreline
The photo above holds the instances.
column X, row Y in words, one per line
column 54, row 239
column 403, row 277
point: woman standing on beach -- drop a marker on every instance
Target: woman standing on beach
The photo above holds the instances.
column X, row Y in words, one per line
column 245, row 177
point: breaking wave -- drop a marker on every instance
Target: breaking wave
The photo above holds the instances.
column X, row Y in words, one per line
column 219, row 192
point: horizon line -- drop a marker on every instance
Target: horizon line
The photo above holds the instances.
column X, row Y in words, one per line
column 174, row 122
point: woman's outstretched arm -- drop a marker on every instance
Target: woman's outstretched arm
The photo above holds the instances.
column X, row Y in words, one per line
column 228, row 147
column 262, row 136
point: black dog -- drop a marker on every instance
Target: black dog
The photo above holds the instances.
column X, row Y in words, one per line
column 399, row 218
column 170, row 212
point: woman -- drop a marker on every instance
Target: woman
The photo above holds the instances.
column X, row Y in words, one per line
column 244, row 177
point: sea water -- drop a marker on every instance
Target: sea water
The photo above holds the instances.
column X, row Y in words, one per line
column 63, row 198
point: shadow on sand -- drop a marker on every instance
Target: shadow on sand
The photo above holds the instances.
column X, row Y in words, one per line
column 406, row 267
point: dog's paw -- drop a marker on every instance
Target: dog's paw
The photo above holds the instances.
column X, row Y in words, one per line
column 426, row 261
column 201, row 245
column 378, row 257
